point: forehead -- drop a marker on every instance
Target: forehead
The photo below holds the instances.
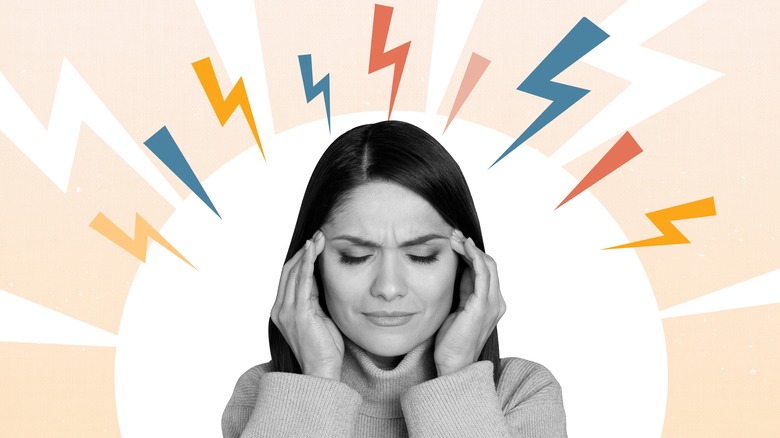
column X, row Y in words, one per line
column 376, row 207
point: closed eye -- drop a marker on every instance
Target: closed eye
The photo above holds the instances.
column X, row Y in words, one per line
column 423, row 259
column 349, row 260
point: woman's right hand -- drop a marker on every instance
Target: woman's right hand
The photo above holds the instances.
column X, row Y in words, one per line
column 313, row 337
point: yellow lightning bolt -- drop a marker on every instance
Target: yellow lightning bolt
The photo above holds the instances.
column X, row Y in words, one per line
column 135, row 245
column 224, row 107
column 662, row 219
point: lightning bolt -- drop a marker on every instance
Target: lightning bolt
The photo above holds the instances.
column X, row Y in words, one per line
column 165, row 148
column 29, row 322
column 662, row 219
column 474, row 71
column 136, row 245
column 310, row 88
column 224, row 107
column 580, row 40
column 622, row 152
column 380, row 59
column 53, row 149
column 657, row 80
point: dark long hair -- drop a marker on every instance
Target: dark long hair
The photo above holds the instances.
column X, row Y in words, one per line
column 390, row 151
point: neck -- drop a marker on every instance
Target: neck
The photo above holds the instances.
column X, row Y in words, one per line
column 384, row 362
column 381, row 380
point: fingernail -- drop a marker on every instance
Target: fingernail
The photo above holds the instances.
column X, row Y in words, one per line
column 459, row 233
column 307, row 245
column 318, row 235
column 470, row 240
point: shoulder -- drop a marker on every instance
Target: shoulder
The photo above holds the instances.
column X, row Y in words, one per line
column 248, row 385
column 523, row 383
column 530, row 398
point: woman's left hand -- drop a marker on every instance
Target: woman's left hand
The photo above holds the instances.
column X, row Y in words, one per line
column 463, row 334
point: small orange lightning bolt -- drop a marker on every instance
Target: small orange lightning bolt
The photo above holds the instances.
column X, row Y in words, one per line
column 662, row 219
column 224, row 107
column 137, row 245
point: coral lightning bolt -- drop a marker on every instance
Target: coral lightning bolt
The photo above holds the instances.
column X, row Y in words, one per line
column 474, row 71
column 311, row 89
column 378, row 58
column 622, row 152
column 662, row 219
column 224, row 107
column 136, row 245
column 580, row 40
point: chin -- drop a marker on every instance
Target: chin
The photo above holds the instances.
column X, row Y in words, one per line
column 388, row 345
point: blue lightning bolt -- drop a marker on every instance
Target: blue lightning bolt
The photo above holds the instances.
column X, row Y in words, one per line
column 312, row 89
column 580, row 40
column 165, row 148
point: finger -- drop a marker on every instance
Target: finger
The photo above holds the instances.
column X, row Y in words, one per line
column 492, row 268
column 318, row 246
column 283, row 280
column 457, row 242
column 299, row 278
column 466, row 287
column 305, row 276
column 494, row 293
column 293, row 279
column 288, row 267
column 481, row 271
column 319, row 243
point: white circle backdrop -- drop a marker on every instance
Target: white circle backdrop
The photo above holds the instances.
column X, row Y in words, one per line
column 587, row 314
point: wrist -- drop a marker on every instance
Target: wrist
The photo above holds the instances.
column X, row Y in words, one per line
column 443, row 370
column 325, row 373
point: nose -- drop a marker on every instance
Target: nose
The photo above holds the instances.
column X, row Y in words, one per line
column 389, row 281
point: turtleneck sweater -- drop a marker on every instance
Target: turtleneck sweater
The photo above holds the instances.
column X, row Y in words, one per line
column 406, row 401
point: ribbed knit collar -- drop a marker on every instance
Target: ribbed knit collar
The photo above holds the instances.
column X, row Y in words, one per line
column 382, row 389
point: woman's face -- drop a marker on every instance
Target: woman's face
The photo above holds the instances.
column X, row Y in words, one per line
column 387, row 269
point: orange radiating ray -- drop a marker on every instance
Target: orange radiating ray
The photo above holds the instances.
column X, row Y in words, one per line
column 224, row 107
column 662, row 219
column 137, row 245
column 619, row 154
column 474, row 71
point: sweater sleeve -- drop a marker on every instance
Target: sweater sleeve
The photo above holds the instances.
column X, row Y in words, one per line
column 527, row 403
column 273, row 404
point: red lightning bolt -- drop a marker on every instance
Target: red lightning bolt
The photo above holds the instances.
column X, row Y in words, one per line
column 380, row 59
column 135, row 245
column 224, row 107
column 662, row 219
column 622, row 152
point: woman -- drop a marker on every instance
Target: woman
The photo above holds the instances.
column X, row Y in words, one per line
column 402, row 340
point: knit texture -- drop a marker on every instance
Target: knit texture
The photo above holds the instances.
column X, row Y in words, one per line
column 407, row 401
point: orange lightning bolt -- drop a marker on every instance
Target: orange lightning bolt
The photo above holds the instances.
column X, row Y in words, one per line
column 224, row 107
column 136, row 245
column 662, row 219
column 378, row 58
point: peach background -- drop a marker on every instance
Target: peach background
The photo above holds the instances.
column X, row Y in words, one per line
column 136, row 56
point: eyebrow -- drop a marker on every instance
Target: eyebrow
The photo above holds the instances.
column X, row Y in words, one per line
column 367, row 243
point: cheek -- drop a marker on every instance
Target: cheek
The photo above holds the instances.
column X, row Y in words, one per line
column 436, row 286
column 341, row 287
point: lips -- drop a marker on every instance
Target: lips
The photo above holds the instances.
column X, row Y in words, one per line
column 389, row 319
column 385, row 314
